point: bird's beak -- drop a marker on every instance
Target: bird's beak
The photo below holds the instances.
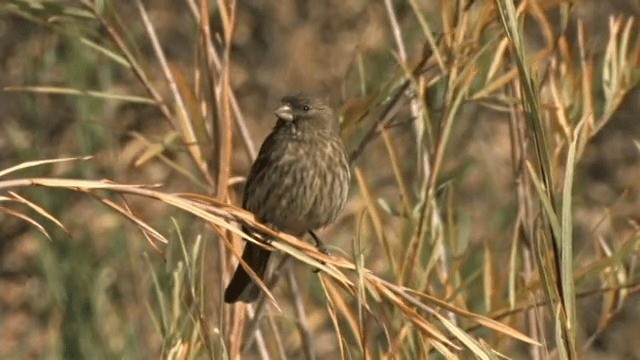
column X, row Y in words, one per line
column 284, row 112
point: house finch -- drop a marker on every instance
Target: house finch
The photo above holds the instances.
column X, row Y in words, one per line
column 298, row 183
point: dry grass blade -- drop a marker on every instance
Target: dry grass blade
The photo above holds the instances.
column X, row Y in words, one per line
column 225, row 133
column 488, row 273
column 126, row 212
column 214, row 66
column 333, row 314
column 397, row 170
column 485, row 321
column 548, row 254
column 274, row 331
column 40, row 211
column 463, row 337
column 530, row 100
column 30, row 164
column 76, row 92
column 547, row 205
column 340, row 306
column 182, row 118
column 396, row 297
column 156, row 151
column 128, row 54
column 482, row 110
column 374, row 216
column 301, row 315
column 566, row 247
column 107, row 52
column 625, row 252
column 24, row 217
column 426, row 29
column 153, row 150
column 396, row 344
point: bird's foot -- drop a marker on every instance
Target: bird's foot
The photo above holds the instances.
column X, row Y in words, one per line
column 320, row 247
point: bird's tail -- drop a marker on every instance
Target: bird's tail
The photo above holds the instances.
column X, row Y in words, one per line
column 241, row 287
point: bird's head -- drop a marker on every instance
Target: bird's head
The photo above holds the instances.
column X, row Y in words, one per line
column 307, row 110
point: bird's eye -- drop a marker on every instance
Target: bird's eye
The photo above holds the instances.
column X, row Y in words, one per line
column 305, row 108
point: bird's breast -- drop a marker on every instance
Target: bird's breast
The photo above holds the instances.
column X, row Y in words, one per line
column 303, row 185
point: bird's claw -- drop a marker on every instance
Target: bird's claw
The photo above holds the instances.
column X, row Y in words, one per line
column 323, row 249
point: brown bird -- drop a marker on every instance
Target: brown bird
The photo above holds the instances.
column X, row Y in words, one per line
column 298, row 183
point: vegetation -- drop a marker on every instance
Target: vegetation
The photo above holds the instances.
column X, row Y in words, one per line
column 492, row 208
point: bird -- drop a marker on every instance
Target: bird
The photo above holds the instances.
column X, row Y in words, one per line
column 299, row 182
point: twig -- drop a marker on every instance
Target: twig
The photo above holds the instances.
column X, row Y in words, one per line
column 137, row 69
column 183, row 117
column 303, row 324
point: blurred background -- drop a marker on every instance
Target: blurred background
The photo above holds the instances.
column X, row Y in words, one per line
column 99, row 291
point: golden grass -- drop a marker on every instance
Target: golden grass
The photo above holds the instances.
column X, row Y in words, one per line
column 426, row 298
